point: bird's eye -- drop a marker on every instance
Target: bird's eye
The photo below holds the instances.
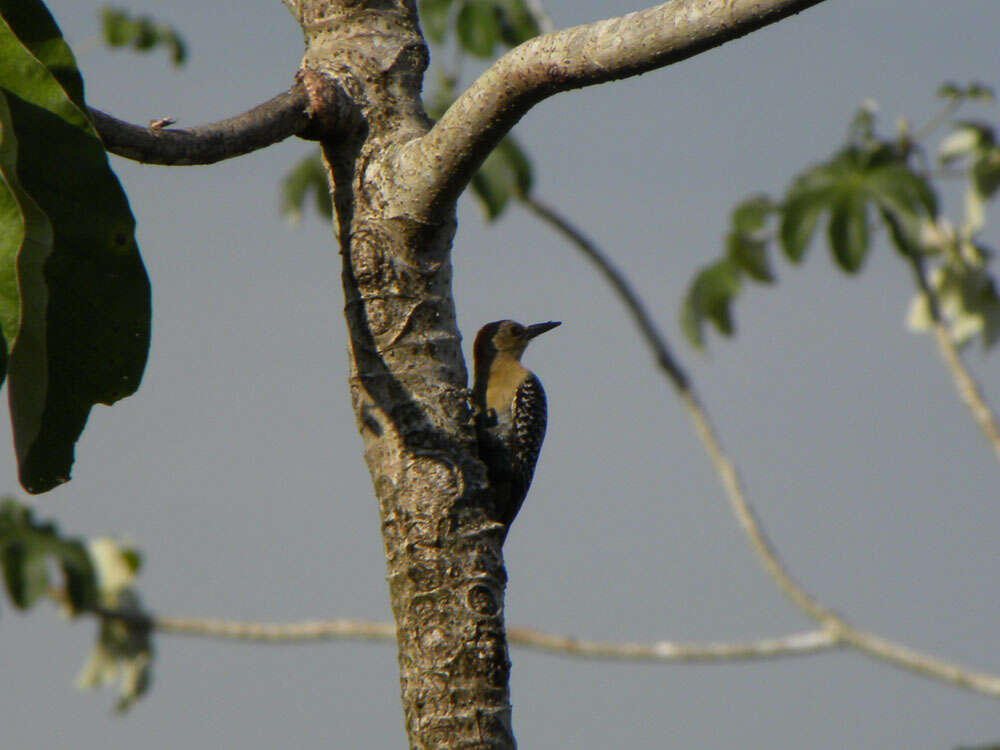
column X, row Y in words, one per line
column 517, row 330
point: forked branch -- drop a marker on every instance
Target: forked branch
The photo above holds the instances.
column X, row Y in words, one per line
column 437, row 166
column 841, row 630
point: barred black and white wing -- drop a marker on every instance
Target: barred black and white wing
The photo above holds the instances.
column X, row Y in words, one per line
column 528, row 415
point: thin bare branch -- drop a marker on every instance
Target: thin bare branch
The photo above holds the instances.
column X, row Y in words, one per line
column 840, row 630
column 654, row 339
column 793, row 644
column 312, row 630
column 285, row 115
column 437, row 166
column 967, row 389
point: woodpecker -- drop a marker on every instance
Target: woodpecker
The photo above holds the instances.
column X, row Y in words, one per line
column 512, row 411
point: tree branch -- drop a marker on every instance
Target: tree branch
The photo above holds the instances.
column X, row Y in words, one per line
column 285, row 115
column 967, row 389
column 841, row 631
column 793, row 644
column 436, row 167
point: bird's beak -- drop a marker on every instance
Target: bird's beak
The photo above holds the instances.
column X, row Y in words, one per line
column 539, row 328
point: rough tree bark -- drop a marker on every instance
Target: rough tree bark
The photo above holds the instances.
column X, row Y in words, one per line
column 395, row 180
column 408, row 381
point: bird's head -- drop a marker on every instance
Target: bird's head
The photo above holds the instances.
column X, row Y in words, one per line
column 507, row 336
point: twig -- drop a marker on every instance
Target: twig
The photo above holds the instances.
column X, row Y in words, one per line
column 840, row 630
column 278, row 632
column 285, row 115
column 794, row 644
column 967, row 389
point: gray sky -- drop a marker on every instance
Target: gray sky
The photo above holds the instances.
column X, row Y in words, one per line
column 237, row 468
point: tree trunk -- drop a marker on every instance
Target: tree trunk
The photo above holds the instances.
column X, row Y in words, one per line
column 408, row 381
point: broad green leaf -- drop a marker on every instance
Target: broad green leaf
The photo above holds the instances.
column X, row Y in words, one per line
column 478, row 27
column 141, row 33
column 709, row 297
column 906, row 202
column 307, row 177
column 848, row 231
column 900, row 189
column 434, row 18
column 92, row 296
column 26, row 240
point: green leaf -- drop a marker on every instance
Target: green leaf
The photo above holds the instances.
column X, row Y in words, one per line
column 799, row 215
column 517, row 24
column 862, row 127
column 848, row 232
column 505, row 174
column 78, row 574
column 985, row 172
column 25, row 573
column 141, row 33
column 750, row 216
column 90, row 302
column 434, row 18
column 490, row 186
column 709, row 297
column 906, row 202
column 478, row 27
column 980, row 91
column 949, row 90
column 25, row 242
column 750, row 256
column 307, row 177
column 900, row 189
column 975, row 91
column 26, row 546
column 746, row 243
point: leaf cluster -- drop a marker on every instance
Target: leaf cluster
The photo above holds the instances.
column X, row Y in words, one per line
column 95, row 576
column 479, row 26
column 871, row 182
column 28, row 549
column 120, row 28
